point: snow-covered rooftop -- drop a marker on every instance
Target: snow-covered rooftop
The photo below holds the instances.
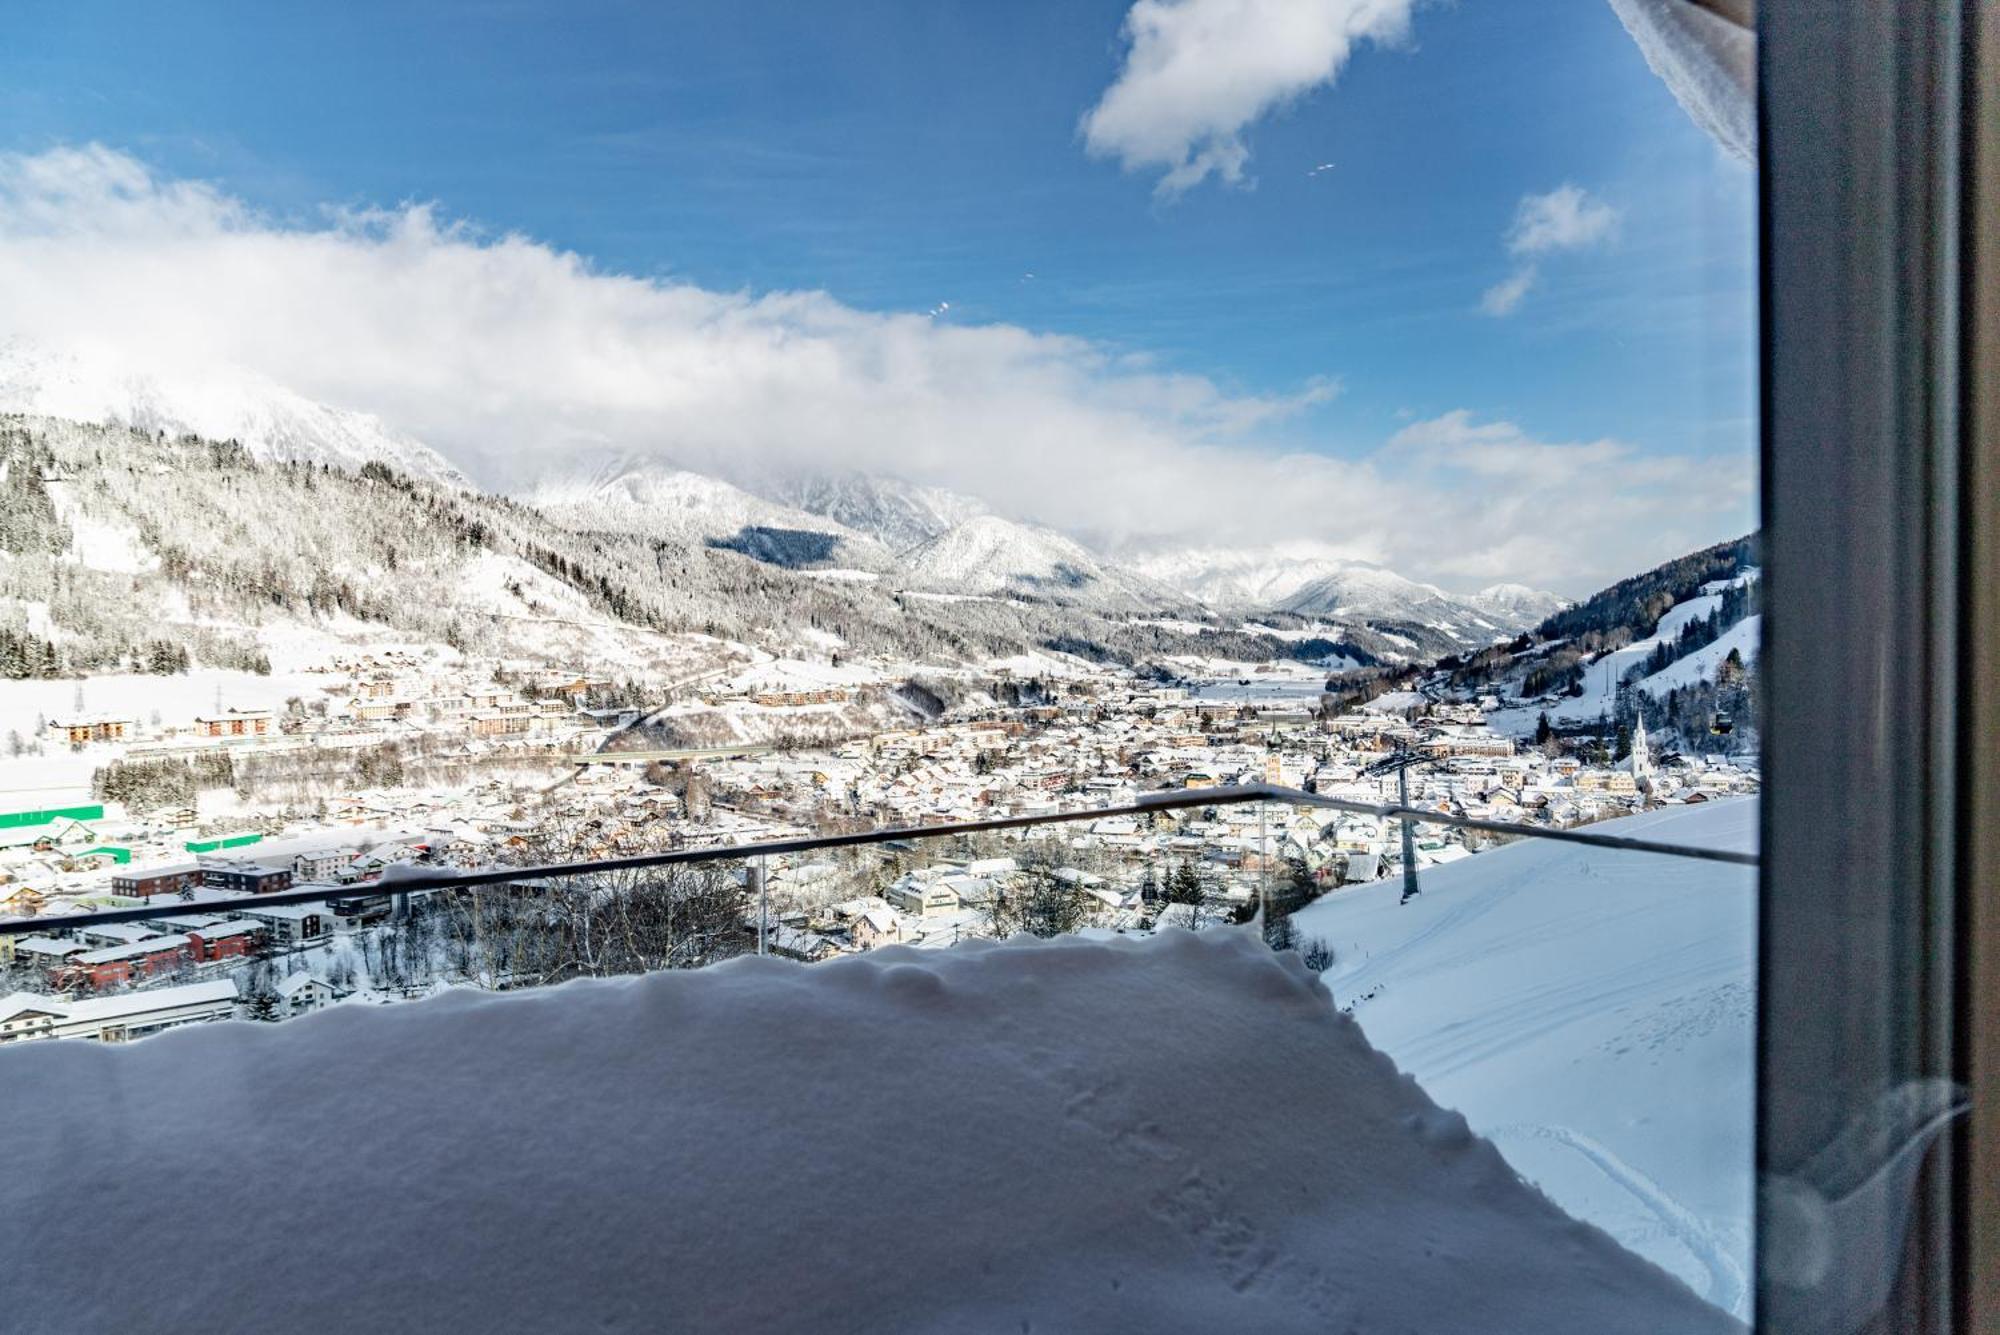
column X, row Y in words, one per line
column 1179, row 1134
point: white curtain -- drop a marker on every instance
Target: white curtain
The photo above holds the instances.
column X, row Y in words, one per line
column 1706, row 52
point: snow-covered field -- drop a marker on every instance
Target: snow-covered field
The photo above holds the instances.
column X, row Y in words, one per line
column 1317, row 630
column 1299, row 684
column 1043, row 663
column 137, row 696
column 1169, row 1135
column 55, row 779
column 1591, row 1012
column 791, row 674
column 931, row 596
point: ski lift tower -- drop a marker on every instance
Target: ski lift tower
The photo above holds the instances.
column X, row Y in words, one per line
column 1401, row 762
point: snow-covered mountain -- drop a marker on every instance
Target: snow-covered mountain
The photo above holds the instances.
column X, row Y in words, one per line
column 990, row 555
column 1238, row 579
column 918, row 538
column 215, row 402
column 1367, row 591
column 167, row 541
column 638, row 496
column 1517, row 604
column 900, row 515
column 1316, row 585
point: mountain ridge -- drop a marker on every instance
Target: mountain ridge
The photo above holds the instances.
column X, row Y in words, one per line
column 1311, row 584
column 921, row 538
column 215, row 403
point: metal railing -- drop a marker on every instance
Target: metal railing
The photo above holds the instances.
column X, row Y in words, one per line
column 1179, row 799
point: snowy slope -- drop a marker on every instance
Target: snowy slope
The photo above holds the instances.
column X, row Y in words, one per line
column 638, row 496
column 1601, row 678
column 215, row 402
column 990, row 555
column 997, row 1138
column 1591, row 1012
column 1743, row 637
column 112, row 546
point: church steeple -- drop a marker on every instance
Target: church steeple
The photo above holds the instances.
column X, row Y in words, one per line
column 1642, row 751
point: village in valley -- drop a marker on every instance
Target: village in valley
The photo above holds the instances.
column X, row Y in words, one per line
column 388, row 762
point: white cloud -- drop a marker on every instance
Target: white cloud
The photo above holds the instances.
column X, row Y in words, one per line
column 1198, row 72
column 1566, row 218
column 1551, row 511
column 516, row 359
column 1505, row 295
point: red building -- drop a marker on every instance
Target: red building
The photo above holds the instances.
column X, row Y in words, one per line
column 116, row 966
column 226, row 940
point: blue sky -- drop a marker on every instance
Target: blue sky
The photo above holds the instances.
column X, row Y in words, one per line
column 898, row 155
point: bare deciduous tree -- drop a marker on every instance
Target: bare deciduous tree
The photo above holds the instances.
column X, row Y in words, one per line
column 1038, row 904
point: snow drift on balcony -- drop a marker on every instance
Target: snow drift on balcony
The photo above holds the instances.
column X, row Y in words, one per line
column 1173, row 1135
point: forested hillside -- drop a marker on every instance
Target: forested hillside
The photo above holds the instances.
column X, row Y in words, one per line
column 1677, row 642
column 1636, row 605
column 121, row 550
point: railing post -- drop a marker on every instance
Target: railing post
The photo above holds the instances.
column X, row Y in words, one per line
column 1409, row 840
column 1264, row 865
column 759, row 883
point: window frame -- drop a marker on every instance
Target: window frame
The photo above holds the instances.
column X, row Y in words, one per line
column 1879, row 953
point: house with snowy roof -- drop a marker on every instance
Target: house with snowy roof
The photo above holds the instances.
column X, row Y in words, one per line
column 921, row 896
column 878, row 927
column 112, row 1019
column 801, row 944
column 303, row 992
